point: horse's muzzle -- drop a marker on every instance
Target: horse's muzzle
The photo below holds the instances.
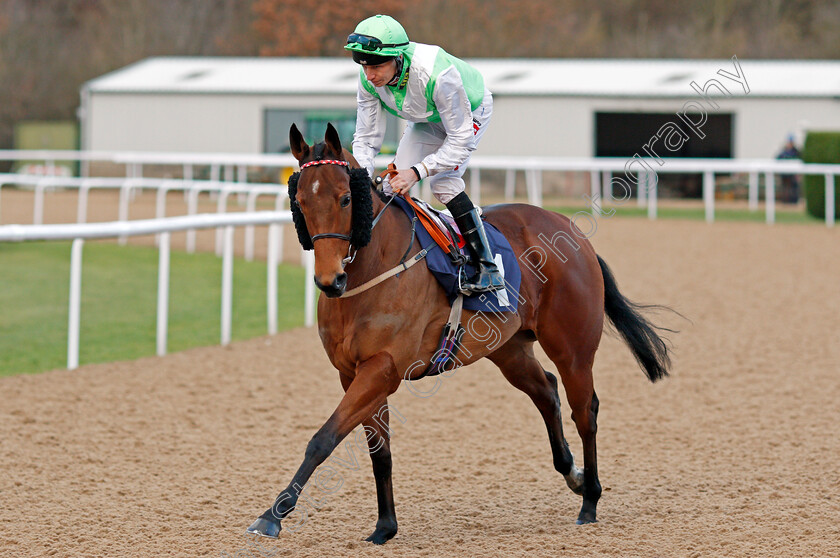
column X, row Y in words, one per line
column 336, row 288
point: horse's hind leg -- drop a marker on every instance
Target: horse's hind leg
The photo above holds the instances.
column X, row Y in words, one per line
column 520, row 367
column 580, row 392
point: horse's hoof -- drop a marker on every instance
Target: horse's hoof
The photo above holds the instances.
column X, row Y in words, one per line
column 382, row 535
column 265, row 528
column 586, row 518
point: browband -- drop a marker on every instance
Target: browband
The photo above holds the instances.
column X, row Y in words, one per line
column 325, row 162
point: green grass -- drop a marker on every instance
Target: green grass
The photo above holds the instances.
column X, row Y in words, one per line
column 699, row 214
column 119, row 303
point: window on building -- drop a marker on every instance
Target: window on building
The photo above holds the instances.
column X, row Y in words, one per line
column 313, row 123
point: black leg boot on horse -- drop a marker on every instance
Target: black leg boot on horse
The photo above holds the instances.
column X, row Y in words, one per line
column 487, row 278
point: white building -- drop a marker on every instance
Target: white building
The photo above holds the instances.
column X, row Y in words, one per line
column 562, row 108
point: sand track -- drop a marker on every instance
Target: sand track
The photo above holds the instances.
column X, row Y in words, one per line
column 735, row 455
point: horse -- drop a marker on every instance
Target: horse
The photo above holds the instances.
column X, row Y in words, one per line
column 375, row 338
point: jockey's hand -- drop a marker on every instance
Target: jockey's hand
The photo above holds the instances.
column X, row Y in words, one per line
column 403, row 181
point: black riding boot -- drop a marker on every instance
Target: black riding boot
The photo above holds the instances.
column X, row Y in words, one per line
column 487, row 278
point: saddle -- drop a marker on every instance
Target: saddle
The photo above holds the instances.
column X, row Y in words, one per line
column 440, row 226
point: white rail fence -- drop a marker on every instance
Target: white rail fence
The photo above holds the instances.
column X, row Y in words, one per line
column 603, row 172
column 80, row 232
column 606, row 172
column 128, row 186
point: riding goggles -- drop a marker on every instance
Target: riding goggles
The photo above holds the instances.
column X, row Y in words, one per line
column 369, row 43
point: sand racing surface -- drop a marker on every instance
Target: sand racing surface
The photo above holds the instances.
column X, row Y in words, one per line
column 735, row 455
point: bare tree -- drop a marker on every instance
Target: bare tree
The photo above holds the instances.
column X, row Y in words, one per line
column 304, row 28
column 48, row 48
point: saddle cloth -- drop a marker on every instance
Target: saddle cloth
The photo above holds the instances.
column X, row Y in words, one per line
column 446, row 272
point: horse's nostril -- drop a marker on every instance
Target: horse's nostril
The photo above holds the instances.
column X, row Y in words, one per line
column 334, row 289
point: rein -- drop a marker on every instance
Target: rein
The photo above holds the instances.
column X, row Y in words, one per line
column 402, row 266
column 439, row 238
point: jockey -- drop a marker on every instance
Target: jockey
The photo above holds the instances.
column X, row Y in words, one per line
column 447, row 108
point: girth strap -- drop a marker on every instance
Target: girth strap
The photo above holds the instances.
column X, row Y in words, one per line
column 450, row 342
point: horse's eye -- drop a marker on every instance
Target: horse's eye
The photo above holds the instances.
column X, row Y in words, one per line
column 345, row 200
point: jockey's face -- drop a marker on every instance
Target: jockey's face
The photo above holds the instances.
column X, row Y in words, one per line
column 381, row 74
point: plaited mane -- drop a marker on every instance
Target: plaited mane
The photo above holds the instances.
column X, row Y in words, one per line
column 361, row 200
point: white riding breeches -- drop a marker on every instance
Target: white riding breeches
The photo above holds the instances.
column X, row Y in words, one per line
column 423, row 138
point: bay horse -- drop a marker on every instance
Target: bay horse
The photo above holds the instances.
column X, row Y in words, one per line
column 375, row 338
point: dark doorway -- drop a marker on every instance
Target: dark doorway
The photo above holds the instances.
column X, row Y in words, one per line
column 623, row 134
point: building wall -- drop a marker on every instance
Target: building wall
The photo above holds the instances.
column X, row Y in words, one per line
column 520, row 126
column 564, row 126
column 189, row 123
column 764, row 124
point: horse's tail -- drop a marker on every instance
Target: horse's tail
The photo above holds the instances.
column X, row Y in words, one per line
column 650, row 350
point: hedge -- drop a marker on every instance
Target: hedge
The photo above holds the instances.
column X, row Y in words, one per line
column 821, row 147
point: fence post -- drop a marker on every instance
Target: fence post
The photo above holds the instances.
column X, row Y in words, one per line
column 125, row 189
column 163, row 294
column 830, row 203
column 251, row 206
column 278, row 206
column 642, row 182
column 753, row 191
column 709, row 195
column 533, row 179
column 75, row 303
column 653, row 190
column 221, row 207
column 770, row 197
column 271, row 274
column 81, row 207
column 606, row 178
column 227, row 284
column 309, row 290
column 38, row 208
column 192, row 208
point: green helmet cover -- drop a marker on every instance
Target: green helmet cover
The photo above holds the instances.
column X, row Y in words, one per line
column 385, row 28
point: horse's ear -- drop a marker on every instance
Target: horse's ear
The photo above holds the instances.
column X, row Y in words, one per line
column 332, row 140
column 299, row 147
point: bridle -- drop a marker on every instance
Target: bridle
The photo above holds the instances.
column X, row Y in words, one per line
column 336, row 162
column 402, row 266
column 351, row 253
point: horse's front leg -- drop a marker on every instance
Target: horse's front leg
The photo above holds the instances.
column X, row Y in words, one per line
column 379, row 444
column 376, row 378
column 378, row 434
